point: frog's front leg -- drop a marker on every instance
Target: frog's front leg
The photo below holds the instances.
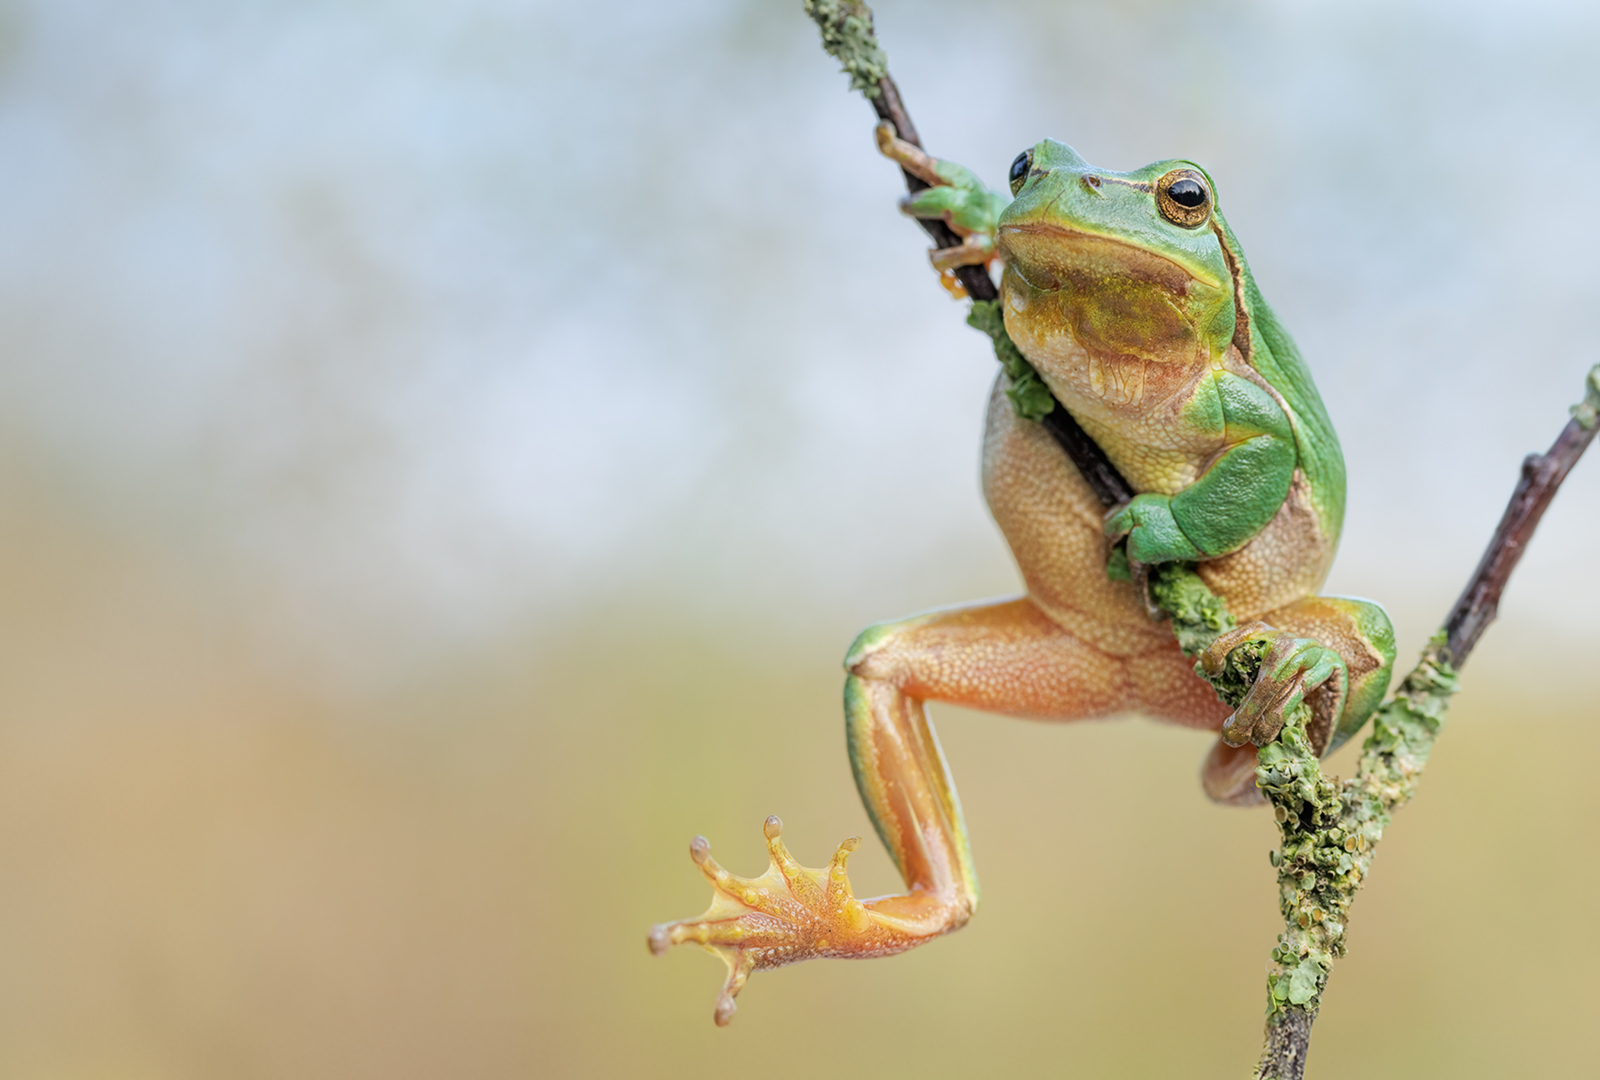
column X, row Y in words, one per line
column 1006, row 657
column 954, row 195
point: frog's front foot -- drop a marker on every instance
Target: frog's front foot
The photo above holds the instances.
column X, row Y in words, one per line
column 1154, row 535
column 954, row 195
column 788, row 914
column 1293, row 670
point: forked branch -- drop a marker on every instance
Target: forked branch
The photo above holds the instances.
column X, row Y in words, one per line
column 1330, row 830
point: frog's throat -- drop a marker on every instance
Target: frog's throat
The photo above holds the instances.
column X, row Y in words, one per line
column 1047, row 256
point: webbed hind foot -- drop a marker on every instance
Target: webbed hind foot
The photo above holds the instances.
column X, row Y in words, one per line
column 788, row 914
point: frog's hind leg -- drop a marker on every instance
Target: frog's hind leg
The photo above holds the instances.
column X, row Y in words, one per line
column 1228, row 775
column 1360, row 633
column 1006, row 657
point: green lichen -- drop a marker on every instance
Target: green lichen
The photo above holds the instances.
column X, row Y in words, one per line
column 1030, row 397
column 1239, row 670
column 1198, row 614
column 848, row 37
column 1315, row 884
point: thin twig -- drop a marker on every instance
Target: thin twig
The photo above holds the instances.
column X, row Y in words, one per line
column 1541, row 476
column 888, row 106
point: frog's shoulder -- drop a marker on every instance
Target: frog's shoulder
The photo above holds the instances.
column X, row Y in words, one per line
column 1274, row 355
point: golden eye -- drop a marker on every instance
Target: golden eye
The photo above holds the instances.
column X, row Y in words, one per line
column 1019, row 170
column 1184, row 198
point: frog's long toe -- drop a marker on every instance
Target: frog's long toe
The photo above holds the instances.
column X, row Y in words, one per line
column 788, row 914
column 974, row 250
column 1293, row 670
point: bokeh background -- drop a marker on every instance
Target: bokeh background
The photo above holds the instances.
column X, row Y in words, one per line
column 445, row 451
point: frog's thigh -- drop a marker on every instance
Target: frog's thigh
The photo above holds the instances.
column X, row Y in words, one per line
column 1006, row 657
column 1166, row 687
column 1010, row 657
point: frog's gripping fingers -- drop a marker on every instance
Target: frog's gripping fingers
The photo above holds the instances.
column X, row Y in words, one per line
column 975, row 250
column 838, row 891
column 788, row 914
column 913, row 159
column 1154, row 535
column 1215, row 657
column 934, row 202
column 740, row 965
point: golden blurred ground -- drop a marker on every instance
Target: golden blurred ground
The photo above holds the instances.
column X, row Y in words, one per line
column 207, row 870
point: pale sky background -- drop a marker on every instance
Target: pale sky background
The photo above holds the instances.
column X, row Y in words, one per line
column 446, row 449
column 400, row 323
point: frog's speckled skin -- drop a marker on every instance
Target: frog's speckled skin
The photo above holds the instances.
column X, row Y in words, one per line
column 1145, row 323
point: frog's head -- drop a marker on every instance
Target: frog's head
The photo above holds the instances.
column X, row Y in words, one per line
column 1131, row 265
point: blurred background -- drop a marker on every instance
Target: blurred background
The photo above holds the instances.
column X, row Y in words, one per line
column 445, row 451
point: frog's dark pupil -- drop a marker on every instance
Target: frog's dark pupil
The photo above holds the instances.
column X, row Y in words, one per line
column 1019, row 167
column 1187, row 193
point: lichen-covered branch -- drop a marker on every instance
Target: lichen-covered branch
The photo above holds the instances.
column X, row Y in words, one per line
column 1330, row 831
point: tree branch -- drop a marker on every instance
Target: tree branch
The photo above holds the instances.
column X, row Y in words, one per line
column 1542, row 475
column 1330, row 830
column 1330, row 835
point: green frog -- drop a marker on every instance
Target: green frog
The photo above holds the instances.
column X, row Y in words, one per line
column 1126, row 298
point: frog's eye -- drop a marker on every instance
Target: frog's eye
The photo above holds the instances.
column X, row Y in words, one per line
column 1184, row 198
column 1019, row 170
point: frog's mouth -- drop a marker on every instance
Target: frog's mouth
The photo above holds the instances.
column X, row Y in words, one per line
column 1050, row 257
column 1116, row 300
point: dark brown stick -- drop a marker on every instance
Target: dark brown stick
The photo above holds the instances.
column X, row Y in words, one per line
column 1102, row 477
column 1288, row 1041
column 1542, row 475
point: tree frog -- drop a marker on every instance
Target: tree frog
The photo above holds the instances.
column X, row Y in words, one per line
column 1127, row 297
